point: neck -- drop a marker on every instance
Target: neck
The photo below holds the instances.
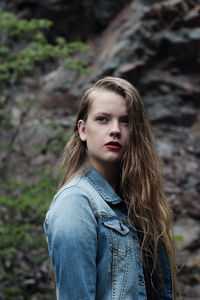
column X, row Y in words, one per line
column 109, row 171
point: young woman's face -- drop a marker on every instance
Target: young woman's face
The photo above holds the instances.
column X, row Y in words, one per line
column 106, row 129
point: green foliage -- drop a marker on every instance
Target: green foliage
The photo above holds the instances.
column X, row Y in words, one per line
column 22, row 244
column 5, row 121
column 178, row 239
column 23, row 46
column 23, row 250
column 79, row 65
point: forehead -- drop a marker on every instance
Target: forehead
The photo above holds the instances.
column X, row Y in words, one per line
column 108, row 102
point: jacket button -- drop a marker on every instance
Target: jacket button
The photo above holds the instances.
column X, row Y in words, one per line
column 141, row 280
column 135, row 238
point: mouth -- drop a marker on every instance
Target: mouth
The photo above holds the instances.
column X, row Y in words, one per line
column 113, row 145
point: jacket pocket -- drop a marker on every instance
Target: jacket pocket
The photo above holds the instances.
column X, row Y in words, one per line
column 116, row 225
column 118, row 236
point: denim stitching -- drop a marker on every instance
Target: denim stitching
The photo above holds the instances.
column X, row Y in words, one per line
column 127, row 264
column 114, row 279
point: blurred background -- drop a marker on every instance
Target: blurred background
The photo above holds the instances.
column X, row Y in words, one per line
column 51, row 51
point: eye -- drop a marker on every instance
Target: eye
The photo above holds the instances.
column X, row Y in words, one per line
column 125, row 121
column 102, row 119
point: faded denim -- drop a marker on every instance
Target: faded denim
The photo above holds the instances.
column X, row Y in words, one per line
column 95, row 253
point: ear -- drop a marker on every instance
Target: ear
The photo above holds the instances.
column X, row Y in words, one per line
column 81, row 130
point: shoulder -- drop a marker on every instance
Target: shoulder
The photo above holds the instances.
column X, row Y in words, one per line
column 77, row 195
column 71, row 207
column 79, row 186
column 72, row 192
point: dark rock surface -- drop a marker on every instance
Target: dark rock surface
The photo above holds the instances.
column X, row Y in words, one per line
column 156, row 46
column 77, row 19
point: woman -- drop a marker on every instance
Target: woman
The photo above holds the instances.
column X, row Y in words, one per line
column 109, row 227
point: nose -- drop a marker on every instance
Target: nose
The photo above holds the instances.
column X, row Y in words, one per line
column 115, row 129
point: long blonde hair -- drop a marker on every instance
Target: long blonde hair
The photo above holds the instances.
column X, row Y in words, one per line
column 141, row 182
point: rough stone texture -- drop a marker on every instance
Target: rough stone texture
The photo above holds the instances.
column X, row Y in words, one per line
column 156, row 46
column 74, row 19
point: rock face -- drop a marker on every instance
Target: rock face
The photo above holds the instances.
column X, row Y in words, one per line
column 156, row 46
column 77, row 19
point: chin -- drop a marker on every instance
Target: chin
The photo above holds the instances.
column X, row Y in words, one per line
column 113, row 160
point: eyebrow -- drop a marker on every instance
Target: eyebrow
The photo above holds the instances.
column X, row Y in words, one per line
column 103, row 113
column 108, row 115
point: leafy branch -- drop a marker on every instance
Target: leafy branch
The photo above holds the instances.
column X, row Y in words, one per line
column 23, row 46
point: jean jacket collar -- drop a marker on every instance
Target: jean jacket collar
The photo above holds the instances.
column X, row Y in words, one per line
column 102, row 186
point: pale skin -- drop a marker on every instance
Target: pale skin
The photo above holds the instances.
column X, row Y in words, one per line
column 106, row 134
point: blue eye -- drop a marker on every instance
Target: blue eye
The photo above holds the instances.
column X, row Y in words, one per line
column 125, row 121
column 102, row 119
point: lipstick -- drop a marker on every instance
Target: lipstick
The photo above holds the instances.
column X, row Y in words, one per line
column 113, row 145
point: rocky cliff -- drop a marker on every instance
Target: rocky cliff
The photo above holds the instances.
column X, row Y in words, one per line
column 156, row 46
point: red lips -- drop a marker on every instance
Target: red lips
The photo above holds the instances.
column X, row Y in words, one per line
column 113, row 145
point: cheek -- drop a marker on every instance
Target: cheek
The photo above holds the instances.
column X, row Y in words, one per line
column 90, row 134
column 126, row 135
column 92, row 137
column 94, row 133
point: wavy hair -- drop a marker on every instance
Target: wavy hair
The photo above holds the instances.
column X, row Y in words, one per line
column 141, row 180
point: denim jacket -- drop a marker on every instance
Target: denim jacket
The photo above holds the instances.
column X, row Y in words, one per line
column 95, row 253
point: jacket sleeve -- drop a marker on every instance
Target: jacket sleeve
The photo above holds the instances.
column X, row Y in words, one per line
column 71, row 231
